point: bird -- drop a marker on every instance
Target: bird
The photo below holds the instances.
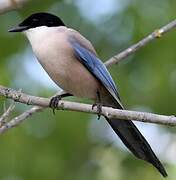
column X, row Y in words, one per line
column 73, row 64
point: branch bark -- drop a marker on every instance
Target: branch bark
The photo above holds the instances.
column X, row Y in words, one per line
column 8, row 5
column 18, row 96
column 4, row 117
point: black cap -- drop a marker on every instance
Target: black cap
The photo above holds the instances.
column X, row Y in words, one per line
column 38, row 19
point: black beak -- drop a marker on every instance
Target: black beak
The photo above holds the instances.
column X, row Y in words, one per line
column 19, row 29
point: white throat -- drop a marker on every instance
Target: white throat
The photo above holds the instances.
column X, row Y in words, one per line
column 35, row 34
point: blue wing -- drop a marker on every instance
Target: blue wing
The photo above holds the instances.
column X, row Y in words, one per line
column 96, row 68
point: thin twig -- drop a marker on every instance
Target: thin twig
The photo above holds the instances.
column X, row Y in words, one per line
column 6, row 114
column 132, row 49
column 19, row 119
column 24, row 116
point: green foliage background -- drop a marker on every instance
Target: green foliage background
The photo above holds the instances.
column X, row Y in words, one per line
column 73, row 145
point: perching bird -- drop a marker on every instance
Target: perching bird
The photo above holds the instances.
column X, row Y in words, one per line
column 72, row 63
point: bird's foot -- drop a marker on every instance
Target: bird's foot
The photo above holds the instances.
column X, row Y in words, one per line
column 99, row 109
column 55, row 100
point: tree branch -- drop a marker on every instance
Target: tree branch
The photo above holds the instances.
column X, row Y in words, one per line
column 19, row 119
column 3, row 118
column 80, row 107
column 132, row 49
column 8, row 5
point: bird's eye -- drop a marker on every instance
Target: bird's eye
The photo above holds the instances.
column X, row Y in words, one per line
column 50, row 22
column 35, row 20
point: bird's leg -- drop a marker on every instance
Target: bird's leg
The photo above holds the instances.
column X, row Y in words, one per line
column 55, row 100
column 98, row 104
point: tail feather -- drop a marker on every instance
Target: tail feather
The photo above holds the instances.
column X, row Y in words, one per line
column 136, row 142
column 132, row 138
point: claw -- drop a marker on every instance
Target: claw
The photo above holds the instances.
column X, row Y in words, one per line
column 54, row 102
column 98, row 104
column 99, row 109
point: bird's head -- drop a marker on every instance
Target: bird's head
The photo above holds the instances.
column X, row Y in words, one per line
column 37, row 20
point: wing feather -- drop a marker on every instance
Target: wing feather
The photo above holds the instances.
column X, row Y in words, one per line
column 96, row 68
